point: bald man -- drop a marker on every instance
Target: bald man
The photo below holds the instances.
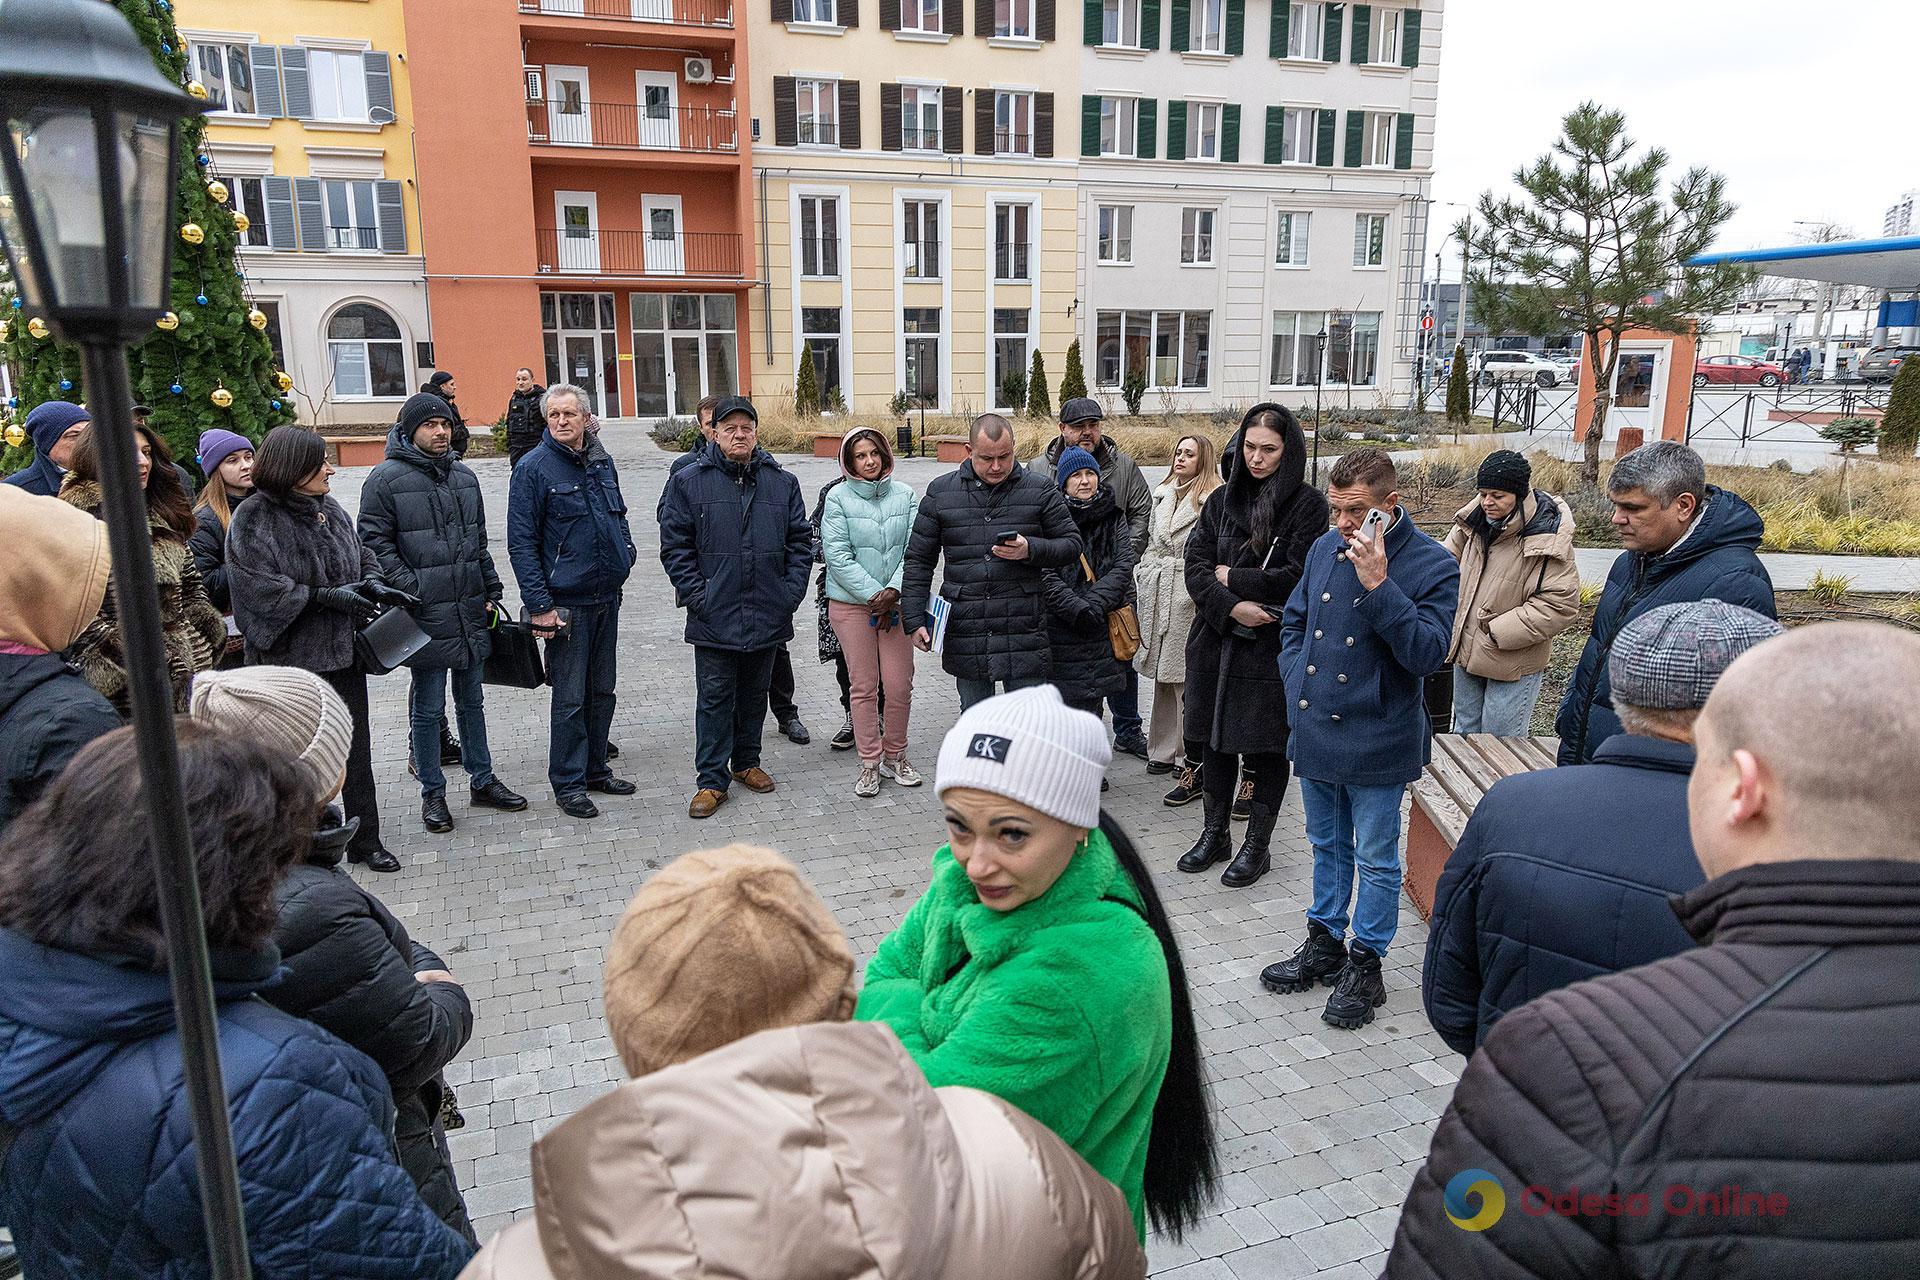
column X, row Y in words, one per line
column 1745, row 1109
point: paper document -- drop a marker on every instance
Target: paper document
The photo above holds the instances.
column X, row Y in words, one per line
column 937, row 613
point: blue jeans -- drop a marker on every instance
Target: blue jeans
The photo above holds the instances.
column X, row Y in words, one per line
column 1503, row 707
column 730, row 712
column 1126, row 706
column 581, row 667
column 427, row 703
column 972, row 691
column 1349, row 825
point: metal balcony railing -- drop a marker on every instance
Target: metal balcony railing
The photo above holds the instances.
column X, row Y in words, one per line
column 353, row 237
column 921, row 260
column 709, row 254
column 624, row 126
column 1012, row 142
column 825, row 133
column 692, row 13
column 820, row 256
column 1010, row 262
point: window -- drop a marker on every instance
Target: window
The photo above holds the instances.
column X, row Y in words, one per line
column 1116, row 233
column 1377, row 152
column 1010, row 356
column 248, row 196
column 274, row 339
column 1370, row 240
column 1295, row 335
column 1209, row 25
column 822, row 12
column 228, row 76
column 920, row 223
column 820, row 237
column 1353, row 348
column 1013, row 19
column 365, row 352
column 919, row 117
column 921, row 325
column 338, row 82
column 1298, row 137
column 683, row 348
column 1012, row 241
column 1306, row 30
column 921, row 15
column 1384, row 39
column 1119, row 126
column 351, row 223
column 1203, row 131
column 1290, row 240
column 1120, row 23
column 1350, row 356
column 1170, row 348
column 1196, row 237
column 817, row 112
column 1013, row 124
column 820, row 331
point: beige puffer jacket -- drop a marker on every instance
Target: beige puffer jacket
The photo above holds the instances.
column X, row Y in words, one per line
column 810, row 1153
column 1160, row 584
column 1516, row 595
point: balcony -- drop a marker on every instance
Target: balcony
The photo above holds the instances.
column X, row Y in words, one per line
column 703, row 254
column 624, row 126
column 920, row 259
column 687, row 13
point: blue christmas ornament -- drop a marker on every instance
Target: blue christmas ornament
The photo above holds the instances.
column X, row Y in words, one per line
column 66, row 384
column 177, row 389
column 16, row 302
column 166, row 50
column 13, row 402
column 165, row 7
column 203, row 160
column 275, row 404
column 200, row 298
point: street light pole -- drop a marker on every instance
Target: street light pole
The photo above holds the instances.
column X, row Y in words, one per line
column 1319, row 380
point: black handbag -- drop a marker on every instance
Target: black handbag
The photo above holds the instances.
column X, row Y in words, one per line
column 388, row 641
column 515, row 659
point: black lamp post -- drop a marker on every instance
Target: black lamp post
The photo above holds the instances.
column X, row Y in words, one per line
column 1319, row 378
column 86, row 213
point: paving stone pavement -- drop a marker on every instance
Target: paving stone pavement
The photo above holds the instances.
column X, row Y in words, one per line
column 1321, row 1130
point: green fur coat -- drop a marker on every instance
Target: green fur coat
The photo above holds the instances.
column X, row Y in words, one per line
column 1060, row 1006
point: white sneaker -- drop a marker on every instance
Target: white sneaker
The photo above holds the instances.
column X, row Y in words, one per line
column 901, row 772
column 867, row 785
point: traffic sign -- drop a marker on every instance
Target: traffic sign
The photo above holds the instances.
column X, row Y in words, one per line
column 1426, row 323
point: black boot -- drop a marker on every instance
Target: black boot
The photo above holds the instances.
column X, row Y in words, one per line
column 1215, row 843
column 1320, row 959
column 1255, row 858
column 1357, row 993
column 1186, row 786
column 449, row 745
column 1243, row 798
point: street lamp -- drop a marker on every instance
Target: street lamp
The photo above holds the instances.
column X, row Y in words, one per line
column 86, row 216
column 1319, row 379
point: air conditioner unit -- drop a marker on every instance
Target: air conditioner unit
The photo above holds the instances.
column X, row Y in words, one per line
column 535, row 85
column 699, row 71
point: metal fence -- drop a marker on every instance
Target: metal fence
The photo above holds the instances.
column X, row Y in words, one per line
column 1740, row 416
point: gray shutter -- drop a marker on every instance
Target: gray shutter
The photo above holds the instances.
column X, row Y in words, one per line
column 783, row 10
column 1356, row 133
column 1149, row 24
column 1230, row 133
column 1236, row 32
column 313, row 215
column 280, row 232
column 1089, row 124
column 953, row 17
column 293, row 74
column 1323, row 130
column 379, row 68
column 1144, row 146
column 983, row 139
column 848, row 11
column 1277, row 30
column 1330, row 35
column 1177, row 129
column 786, row 122
column 1410, row 38
column 1179, row 33
column 1045, row 21
column 265, row 61
column 889, row 101
column 1362, row 32
column 1276, row 132
column 1403, row 141
column 952, row 118
column 849, row 115
column 1043, row 125
column 889, row 21
column 392, row 212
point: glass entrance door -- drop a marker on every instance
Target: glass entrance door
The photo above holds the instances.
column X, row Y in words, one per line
column 1638, row 392
column 582, row 347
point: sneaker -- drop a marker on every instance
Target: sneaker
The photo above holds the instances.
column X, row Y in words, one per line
column 449, row 745
column 867, row 785
column 1243, row 798
column 1357, row 993
column 1320, row 959
column 901, row 772
column 843, row 740
column 1186, row 786
column 1131, row 744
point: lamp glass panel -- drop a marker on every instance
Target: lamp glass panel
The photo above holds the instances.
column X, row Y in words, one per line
column 146, row 157
column 59, row 161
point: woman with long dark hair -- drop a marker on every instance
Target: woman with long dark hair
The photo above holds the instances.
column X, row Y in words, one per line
column 1243, row 559
column 226, row 459
column 1040, row 966
column 191, row 626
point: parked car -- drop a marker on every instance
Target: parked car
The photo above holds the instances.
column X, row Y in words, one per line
column 1525, row 366
column 1881, row 363
column 1744, row 370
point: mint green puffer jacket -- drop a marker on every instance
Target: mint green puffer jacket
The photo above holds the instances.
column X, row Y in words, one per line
column 863, row 533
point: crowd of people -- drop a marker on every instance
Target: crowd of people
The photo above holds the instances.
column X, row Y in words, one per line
column 1673, row 928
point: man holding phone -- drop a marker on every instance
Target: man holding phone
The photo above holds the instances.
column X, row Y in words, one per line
column 1371, row 619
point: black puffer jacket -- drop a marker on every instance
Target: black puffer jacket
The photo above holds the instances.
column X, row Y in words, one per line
column 349, row 968
column 1084, row 668
column 524, row 423
column 997, row 629
column 47, row 713
column 1235, row 700
column 279, row 550
column 1778, row 1060
column 423, row 519
column 209, row 544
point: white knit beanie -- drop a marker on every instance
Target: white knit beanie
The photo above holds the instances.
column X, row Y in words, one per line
column 284, row 708
column 1030, row 746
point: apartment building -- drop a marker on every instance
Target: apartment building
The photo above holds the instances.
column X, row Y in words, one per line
column 307, row 131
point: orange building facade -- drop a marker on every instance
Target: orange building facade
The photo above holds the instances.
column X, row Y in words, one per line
column 586, row 195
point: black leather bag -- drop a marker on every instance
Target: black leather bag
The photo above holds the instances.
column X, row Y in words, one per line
column 515, row 660
column 388, row 641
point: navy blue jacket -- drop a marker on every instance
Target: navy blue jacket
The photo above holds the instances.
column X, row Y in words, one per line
column 101, row 1182
column 737, row 545
column 1355, row 661
column 567, row 530
column 39, row 477
column 1715, row 562
column 1560, row 875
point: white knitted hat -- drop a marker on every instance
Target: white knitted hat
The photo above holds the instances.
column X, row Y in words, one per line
column 1030, row 746
column 285, row 708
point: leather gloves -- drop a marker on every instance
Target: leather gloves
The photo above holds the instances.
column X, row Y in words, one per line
column 347, row 600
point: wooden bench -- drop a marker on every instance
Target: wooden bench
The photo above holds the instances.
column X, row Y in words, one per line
column 950, row 448
column 358, row 451
column 1464, row 766
column 826, row 444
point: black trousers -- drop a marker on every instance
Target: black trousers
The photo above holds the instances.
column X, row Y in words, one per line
column 358, row 796
column 780, row 691
column 1220, row 773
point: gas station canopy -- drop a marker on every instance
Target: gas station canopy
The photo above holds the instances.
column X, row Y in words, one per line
column 1892, row 263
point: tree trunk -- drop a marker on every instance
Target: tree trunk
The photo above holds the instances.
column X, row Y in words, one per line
column 1596, row 430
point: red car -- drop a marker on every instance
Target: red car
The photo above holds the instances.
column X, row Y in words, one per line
column 1717, row 370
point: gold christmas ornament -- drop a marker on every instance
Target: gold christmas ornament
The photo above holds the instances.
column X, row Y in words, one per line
column 15, row 437
column 222, row 397
column 218, row 190
column 258, row 319
column 196, row 90
column 192, row 233
column 6, row 331
column 169, row 322
column 282, row 380
column 37, row 327
column 241, row 222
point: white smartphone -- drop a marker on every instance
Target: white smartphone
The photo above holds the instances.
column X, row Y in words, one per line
column 1374, row 527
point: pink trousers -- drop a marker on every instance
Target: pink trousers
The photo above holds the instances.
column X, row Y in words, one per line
column 875, row 658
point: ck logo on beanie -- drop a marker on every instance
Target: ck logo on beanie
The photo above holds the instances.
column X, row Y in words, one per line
column 987, row 746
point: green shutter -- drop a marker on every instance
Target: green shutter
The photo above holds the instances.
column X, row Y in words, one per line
column 1179, row 36
column 1410, row 38
column 1089, row 124
column 1276, row 129
column 1323, row 127
column 1230, row 133
column 1356, row 129
column 1177, row 129
column 1362, row 32
column 1403, row 141
column 1277, row 29
column 1236, row 27
column 1149, row 127
column 1149, row 24
column 1330, row 35
column 1091, row 23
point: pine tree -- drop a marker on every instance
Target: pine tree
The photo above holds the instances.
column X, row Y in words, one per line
column 1038, row 403
column 806, row 384
column 213, row 344
column 1900, row 426
column 1459, row 403
column 1073, row 383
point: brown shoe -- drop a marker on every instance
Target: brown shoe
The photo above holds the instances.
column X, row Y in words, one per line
column 704, row 802
column 754, row 779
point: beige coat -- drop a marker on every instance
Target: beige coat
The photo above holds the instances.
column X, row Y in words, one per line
column 810, row 1153
column 1516, row 595
column 1160, row 581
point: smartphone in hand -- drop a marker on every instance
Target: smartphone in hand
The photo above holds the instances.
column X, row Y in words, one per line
column 1006, row 537
column 1374, row 527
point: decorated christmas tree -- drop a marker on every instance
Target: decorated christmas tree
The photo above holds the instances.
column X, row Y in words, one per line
column 209, row 362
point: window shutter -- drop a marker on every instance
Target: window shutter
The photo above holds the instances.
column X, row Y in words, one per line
column 1149, row 24
column 1236, row 33
column 889, row 21
column 1230, row 133
column 392, row 213
column 1403, row 141
column 983, row 139
column 1362, row 32
column 1043, row 125
column 1410, row 38
column 379, row 72
column 982, row 17
column 1276, row 131
column 1277, row 29
column 1144, row 147
column 1177, row 129
column 849, row 115
column 1045, row 21
column 1356, row 130
column 1360, row 240
column 1179, row 34
column 952, row 114
column 265, row 61
column 889, row 108
column 1323, row 128
column 1093, row 24
column 783, row 10
column 313, row 215
column 786, row 112
column 847, row 11
column 293, row 74
column 1330, row 33
column 953, row 17
column 1089, row 124
column 280, row 230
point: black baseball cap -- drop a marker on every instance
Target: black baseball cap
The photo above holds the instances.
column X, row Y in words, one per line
column 732, row 405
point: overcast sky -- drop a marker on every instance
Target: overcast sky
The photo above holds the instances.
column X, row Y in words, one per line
column 1810, row 110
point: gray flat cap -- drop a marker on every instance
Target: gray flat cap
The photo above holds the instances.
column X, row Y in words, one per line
column 1669, row 659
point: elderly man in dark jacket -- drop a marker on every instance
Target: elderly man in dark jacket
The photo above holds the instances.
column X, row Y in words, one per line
column 1369, row 621
column 1743, row 1110
column 568, row 539
column 525, row 425
column 736, row 543
column 1685, row 540
column 1564, row 874
column 422, row 517
column 56, row 427
column 999, row 525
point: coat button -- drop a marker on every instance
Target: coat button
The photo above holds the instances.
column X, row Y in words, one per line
column 1311, row 669
column 1349, row 642
column 1335, row 719
column 1303, row 704
column 1326, row 595
column 1318, row 633
column 1342, row 678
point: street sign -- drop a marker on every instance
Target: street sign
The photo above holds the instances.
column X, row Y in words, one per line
column 1426, row 323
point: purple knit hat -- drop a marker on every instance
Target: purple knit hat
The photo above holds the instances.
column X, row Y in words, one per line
column 215, row 446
